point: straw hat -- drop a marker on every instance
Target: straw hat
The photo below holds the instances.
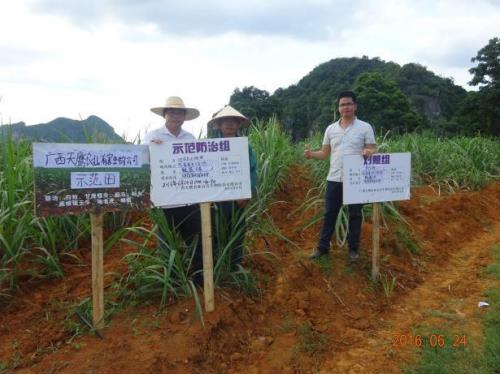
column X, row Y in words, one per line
column 175, row 102
column 227, row 112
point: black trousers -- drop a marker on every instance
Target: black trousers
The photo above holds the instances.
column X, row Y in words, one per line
column 333, row 203
column 187, row 221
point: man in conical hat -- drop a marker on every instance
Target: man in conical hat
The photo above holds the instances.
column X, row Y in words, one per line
column 230, row 215
column 185, row 218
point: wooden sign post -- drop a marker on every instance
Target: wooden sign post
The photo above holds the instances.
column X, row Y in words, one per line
column 208, row 263
column 74, row 178
column 375, row 179
column 201, row 172
column 376, row 241
column 96, row 220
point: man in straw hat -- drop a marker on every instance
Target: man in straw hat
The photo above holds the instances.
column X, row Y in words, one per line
column 230, row 217
column 347, row 136
column 186, row 218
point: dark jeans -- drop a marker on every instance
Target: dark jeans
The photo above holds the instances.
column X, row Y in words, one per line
column 187, row 221
column 333, row 203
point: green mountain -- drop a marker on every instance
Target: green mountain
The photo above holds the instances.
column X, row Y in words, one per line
column 391, row 97
column 65, row 130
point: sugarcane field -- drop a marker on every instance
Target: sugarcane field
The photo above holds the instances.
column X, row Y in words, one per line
column 278, row 311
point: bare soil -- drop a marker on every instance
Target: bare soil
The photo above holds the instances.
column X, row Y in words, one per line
column 326, row 317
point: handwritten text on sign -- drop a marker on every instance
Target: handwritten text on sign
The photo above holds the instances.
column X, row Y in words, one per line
column 95, row 180
column 199, row 171
column 381, row 177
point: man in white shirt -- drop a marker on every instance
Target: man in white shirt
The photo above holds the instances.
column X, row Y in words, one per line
column 186, row 219
column 347, row 136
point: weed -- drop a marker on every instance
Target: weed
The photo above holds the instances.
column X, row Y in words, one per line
column 388, row 284
column 405, row 238
column 461, row 358
column 310, row 341
column 325, row 263
column 445, row 315
column 287, row 325
column 494, row 268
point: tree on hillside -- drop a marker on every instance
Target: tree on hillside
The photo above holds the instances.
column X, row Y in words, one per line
column 487, row 71
column 254, row 103
column 309, row 106
column 381, row 102
column 480, row 111
column 429, row 95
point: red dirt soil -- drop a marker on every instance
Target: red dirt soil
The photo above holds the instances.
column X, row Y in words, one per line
column 311, row 317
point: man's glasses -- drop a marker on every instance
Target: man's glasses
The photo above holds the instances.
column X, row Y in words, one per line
column 345, row 105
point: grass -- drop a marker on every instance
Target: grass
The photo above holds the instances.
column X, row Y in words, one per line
column 454, row 357
column 32, row 246
column 494, row 268
column 160, row 269
column 449, row 316
column 388, row 284
column 325, row 263
column 449, row 163
column 310, row 341
column 405, row 239
column 78, row 319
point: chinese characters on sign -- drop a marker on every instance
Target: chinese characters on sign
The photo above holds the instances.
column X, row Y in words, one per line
column 199, row 171
column 86, row 159
column 74, row 178
column 202, row 146
column 97, row 179
column 381, row 177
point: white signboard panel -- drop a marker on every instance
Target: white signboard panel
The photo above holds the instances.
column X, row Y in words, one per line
column 381, row 177
column 196, row 171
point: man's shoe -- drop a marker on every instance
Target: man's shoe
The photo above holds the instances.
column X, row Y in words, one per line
column 317, row 253
column 353, row 256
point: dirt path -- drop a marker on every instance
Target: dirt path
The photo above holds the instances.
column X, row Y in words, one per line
column 447, row 298
column 311, row 317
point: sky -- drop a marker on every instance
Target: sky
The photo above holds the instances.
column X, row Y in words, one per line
column 118, row 58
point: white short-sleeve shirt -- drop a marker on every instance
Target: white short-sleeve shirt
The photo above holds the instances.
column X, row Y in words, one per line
column 348, row 141
column 165, row 135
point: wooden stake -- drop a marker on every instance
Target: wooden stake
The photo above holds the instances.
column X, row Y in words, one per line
column 208, row 263
column 97, row 271
column 376, row 241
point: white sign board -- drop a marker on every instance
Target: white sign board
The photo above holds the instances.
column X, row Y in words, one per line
column 197, row 171
column 381, row 177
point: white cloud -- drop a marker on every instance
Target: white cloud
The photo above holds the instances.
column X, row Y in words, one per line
column 117, row 66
